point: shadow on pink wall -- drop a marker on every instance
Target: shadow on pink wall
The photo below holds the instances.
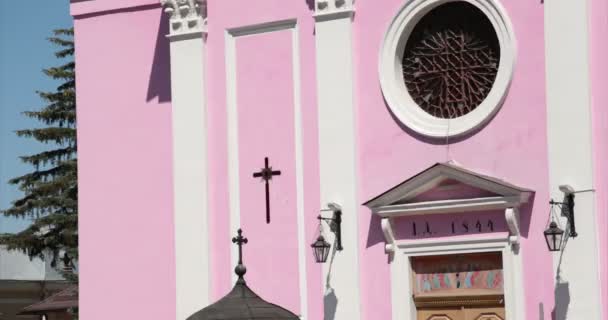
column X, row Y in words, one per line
column 311, row 4
column 562, row 288
column 159, row 84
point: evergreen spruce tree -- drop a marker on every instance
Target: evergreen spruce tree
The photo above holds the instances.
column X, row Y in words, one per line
column 50, row 191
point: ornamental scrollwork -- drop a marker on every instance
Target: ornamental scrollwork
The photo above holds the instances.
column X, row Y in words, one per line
column 186, row 16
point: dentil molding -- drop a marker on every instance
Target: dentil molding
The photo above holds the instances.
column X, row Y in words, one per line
column 187, row 17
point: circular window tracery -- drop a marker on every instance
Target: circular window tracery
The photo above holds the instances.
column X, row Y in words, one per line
column 446, row 65
column 451, row 60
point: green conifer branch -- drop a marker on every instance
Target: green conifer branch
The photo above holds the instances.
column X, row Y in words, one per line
column 50, row 190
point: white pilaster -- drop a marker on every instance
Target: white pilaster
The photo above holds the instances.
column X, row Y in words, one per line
column 570, row 153
column 337, row 151
column 187, row 37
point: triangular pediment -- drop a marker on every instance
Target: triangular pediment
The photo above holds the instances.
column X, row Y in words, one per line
column 449, row 189
column 446, row 186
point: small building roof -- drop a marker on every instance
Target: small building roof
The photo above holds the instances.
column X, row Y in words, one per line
column 60, row 301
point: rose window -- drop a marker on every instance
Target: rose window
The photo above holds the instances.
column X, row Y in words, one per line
column 451, row 60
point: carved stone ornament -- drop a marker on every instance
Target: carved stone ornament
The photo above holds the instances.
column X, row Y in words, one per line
column 389, row 236
column 512, row 217
column 186, row 16
column 333, row 7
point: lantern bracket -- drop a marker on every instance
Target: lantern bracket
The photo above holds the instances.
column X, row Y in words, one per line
column 334, row 222
column 567, row 208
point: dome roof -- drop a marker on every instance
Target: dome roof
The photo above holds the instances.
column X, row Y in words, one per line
column 241, row 303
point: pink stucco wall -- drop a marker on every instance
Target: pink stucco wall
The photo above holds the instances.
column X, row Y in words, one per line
column 512, row 147
column 125, row 184
column 267, row 129
column 598, row 26
column 265, row 90
column 125, row 153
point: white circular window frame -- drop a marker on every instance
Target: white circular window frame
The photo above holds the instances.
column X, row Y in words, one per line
column 391, row 75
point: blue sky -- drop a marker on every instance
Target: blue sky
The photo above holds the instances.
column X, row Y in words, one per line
column 24, row 52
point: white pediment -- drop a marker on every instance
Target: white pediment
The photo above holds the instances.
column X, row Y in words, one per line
column 446, row 188
column 444, row 180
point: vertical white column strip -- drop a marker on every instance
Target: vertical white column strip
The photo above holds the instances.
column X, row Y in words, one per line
column 233, row 144
column 337, row 150
column 187, row 45
column 299, row 144
column 570, row 153
column 518, row 291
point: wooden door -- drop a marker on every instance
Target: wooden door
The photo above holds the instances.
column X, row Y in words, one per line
column 459, row 287
column 484, row 313
column 462, row 313
column 441, row 314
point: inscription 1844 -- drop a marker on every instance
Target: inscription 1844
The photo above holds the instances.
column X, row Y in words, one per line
column 456, row 227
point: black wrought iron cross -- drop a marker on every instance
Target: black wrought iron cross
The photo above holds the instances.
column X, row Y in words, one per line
column 240, row 240
column 266, row 174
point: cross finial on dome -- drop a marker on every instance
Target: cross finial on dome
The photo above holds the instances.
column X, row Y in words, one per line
column 240, row 269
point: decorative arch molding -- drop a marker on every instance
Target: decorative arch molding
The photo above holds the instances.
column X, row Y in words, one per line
column 399, row 99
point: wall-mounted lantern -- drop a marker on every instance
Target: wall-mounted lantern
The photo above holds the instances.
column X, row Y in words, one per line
column 321, row 247
column 554, row 234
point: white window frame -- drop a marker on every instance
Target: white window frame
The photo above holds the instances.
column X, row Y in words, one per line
column 403, row 306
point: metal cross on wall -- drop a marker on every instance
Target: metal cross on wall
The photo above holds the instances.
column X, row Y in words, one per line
column 266, row 174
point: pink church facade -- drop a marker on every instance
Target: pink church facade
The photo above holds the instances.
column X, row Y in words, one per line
column 180, row 102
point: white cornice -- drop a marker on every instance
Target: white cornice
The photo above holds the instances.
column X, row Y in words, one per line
column 333, row 9
column 447, row 206
column 188, row 18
